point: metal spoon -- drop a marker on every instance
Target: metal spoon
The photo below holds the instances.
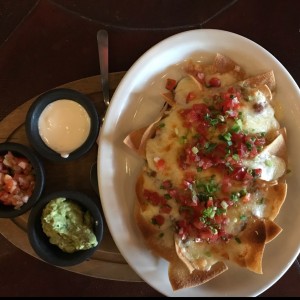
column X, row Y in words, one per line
column 102, row 41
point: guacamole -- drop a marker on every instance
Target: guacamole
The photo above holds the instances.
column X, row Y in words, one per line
column 68, row 226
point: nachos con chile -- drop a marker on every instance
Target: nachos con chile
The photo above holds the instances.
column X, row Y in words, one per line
column 213, row 180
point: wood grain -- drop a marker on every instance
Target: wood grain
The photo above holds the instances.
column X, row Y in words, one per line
column 74, row 175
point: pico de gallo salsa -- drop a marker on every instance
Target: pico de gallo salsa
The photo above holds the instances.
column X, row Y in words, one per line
column 17, row 180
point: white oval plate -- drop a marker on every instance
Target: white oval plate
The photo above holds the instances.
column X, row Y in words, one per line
column 136, row 103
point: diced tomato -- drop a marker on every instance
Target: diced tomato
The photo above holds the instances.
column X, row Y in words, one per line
column 219, row 219
column 231, row 102
column 205, row 163
column 219, row 153
column 210, row 203
column 237, row 137
column 171, row 84
column 190, row 116
column 253, row 152
column 214, row 82
column 173, row 193
column 160, row 164
column 165, row 209
column 198, row 224
column 260, row 141
column 167, row 184
column 190, row 176
column 201, row 109
column 185, row 199
column 158, row 220
column 257, row 172
column 246, row 198
column 16, row 180
column 230, row 105
column 154, row 198
column 240, row 174
column 242, row 150
column 190, row 96
column 205, row 233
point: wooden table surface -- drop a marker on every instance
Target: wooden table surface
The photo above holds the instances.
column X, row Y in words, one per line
column 46, row 43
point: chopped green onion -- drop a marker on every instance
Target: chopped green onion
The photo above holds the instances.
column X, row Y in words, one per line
column 236, row 157
column 249, row 146
column 226, row 137
column 243, row 218
column 209, row 147
column 235, row 196
column 183, row 139
column 220, row 211
column 243, row 192
column 213, row 230
column 237, row 126
column 268, row 163
column 209, row 212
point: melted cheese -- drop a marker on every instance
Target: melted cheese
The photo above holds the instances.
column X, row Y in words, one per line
column 273, row 167
column 196, row 255
column 257, row 122
column 185, row 86
column 152, row 184
column 167, row 145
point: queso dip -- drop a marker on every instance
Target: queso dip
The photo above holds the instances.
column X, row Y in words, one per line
column 64, row 125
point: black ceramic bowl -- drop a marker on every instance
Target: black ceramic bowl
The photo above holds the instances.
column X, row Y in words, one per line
column 19, row 151
column 38, row 106
column 51, row 253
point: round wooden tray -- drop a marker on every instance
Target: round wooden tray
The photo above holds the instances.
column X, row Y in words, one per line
column 107, row 262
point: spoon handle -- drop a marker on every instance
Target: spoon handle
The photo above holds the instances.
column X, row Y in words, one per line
column 102, row 39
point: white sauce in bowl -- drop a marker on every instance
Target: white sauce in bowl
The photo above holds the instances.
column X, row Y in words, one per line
column 64, row 126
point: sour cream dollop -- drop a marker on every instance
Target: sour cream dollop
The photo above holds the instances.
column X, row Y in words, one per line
column 64, row 125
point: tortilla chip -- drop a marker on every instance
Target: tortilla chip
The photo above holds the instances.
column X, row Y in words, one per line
column 273, row 200
column 224, row 64
column 169, row 98
column 267, row 78
column 137, row 139
column 272, row 230
column 277, row 147
column 180, row 277
column 186, row 86
column 267, row 92
column 247, row 249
